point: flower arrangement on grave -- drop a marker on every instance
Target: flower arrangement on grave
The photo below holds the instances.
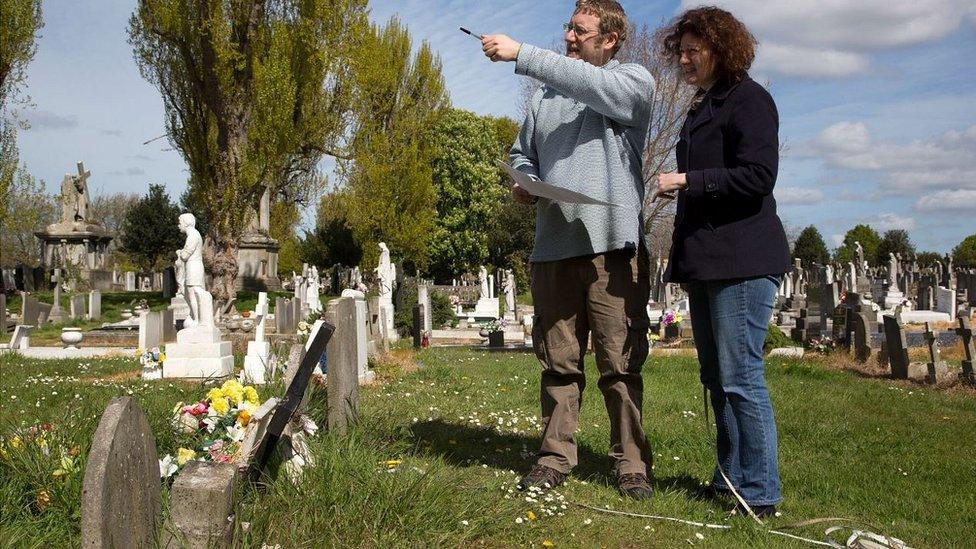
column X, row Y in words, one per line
column 822, row 345
column 671, row 318
column 303, row 329
column 213, row 428
column 496, row 325
column 152, row 362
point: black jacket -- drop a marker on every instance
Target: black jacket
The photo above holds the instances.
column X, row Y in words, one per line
column 726, row 225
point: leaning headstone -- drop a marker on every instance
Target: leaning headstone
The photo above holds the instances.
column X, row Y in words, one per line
column 44, row 313
column 29, row 310
column 965, row 333
column 95, row 305
column 896, row 347
column 20, row 340
column 202, row 505
column 936, row 369
column 77, row 307
column 343, row 376
column 120, row 498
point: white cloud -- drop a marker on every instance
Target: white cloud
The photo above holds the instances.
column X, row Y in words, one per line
column 798, row 195
column 888, row 221
column 837, row 239
column 829, row 38
column 942, row 162
column 958, row 200
column 47, row 120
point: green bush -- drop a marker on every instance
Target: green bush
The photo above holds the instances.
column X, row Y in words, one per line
column 775, row 339
column 406, row 298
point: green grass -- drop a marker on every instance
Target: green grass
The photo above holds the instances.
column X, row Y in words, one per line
column 897, row 456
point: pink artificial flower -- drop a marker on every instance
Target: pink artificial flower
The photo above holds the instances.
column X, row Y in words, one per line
column 197, row 409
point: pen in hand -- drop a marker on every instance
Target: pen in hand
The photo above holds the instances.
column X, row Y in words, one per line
column 466, row 31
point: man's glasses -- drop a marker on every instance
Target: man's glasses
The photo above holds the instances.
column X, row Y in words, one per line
column 577, row 30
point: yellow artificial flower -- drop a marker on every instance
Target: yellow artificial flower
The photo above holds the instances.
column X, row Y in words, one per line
column 162, row 357
column 184, row 455
column 16, row 442
column 178, row 407
column 391, row 463
column 243, row 418
column 251, row 395
column 42, row 442
column 548, row 543
column 220, row 406
column 213, row 395
column 531, row 516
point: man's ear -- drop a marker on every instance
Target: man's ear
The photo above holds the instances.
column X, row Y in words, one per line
column 610, row 41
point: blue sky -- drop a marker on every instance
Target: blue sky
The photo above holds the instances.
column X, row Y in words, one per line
column 876, row 99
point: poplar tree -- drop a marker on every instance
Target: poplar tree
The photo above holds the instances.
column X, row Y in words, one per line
column 255, row 92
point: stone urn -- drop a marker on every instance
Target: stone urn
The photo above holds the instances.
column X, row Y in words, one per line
column 71, row 337
column 247, row 324
column 496, row 338
column 126, row 314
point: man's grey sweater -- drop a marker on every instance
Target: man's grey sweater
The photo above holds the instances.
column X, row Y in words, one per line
column 585, row 131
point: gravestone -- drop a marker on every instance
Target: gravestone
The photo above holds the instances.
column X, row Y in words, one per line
column 343, row 376
column 120, row 498
column 76, row 306
column 257, row 363
column 95, row 305
column 896, row 347
column 294, row 395
column 201, row 506
column 3, row 315
column 30, row 310
column 362, row 334
column 20, row 339
column 842, row 326
column 936, row 369
column 169, row 283
column 130, row 281
column 150, row 329
column 965, row 332
column 169, row 325
column 44, row 313
column 417, row 329
column 945, row 302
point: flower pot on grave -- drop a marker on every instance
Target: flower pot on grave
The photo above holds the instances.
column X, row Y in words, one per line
column 672, row 331
column 247, row 324
column 126, row 314
column 71, row 337
column 496, row 338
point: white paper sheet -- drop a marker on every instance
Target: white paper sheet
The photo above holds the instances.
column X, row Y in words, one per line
column 547, row 190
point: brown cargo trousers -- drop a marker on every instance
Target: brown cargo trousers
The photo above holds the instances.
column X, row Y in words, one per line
column 606, row 294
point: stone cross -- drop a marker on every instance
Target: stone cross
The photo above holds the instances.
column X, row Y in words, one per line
column 120, row 498
column 260, row 311
column 965, row 332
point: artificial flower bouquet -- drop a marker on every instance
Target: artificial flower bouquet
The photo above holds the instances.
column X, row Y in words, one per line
column 497, row 325
column 152, row 362
column 214, row 427
column 670, row 318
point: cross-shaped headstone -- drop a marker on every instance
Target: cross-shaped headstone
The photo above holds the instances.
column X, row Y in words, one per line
column 82, row 174
column 965, row 332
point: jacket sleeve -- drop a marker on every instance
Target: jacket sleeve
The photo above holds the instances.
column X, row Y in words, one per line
column 622, row 94
column 523, row 152
column 754, row 130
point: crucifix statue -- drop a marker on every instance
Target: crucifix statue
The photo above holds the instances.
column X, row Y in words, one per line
column 74, row 196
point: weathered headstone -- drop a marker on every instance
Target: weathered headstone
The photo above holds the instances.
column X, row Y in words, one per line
column 201, row 505
column 965, row 332
column 43, row 313
column 29, row 310
column 169, row 325
column 130, row 281
column 896, row 347
column 417, row 329
column 95, row 305
column 76, row 306
column 343, row 376
column 120, row 498
column 257, row 363
column 20, row 339
column 945, row 301
column 936, row 369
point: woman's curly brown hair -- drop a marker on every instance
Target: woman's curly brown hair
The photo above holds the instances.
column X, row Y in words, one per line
column 732, row 45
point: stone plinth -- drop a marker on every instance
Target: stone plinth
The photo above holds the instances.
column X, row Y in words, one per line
column 198, row 353
column 486, row 309
column 201, row 504
column 257, row 263
column 84, row 245
column 257, row 363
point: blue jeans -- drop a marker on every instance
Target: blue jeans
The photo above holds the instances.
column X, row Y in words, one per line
column 730, row 319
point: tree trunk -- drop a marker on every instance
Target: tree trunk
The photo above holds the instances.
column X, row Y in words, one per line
column 224, row 269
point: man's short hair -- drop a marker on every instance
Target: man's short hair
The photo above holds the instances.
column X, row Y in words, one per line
column 612, row 18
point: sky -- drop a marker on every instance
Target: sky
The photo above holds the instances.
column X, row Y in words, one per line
column 877, row 99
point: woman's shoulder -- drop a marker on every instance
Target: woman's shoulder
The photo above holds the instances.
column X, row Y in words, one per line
column 748, row 89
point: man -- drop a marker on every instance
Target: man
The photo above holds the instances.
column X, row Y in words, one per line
column 585, row 131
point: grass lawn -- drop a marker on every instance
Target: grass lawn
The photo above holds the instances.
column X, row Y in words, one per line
column 438, row 450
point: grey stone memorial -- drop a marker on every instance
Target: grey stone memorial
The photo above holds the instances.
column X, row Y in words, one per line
column 77, row 307
column 150, row 329
column 418, row 325
column 936, row 369
column 169, row 325
column 95, row 305
column 965, row 333
column 201, row 505
column 30, row 310
column 120, row 498
column 896, row 347
column 343, row 376
column 169, row 284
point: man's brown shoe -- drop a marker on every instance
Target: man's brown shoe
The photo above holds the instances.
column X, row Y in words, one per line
column 541, row 477
column 635, row 485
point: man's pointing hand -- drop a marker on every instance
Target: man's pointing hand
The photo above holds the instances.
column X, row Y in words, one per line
column 499, row 47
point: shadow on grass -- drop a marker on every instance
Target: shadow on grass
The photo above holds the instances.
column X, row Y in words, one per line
column 464, row 446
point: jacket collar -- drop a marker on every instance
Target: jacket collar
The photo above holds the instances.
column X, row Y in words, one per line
column 716, row 94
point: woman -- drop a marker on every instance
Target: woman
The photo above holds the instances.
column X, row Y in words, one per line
column 729, row 246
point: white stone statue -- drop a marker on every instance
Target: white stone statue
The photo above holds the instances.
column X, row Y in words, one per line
column 485, row 292
column 194, row 277
column 357, row 280
column 893, row 272
column 74, row 196
column 385, row 274
column 859, row 251
column 509, row 287
column 312, row 300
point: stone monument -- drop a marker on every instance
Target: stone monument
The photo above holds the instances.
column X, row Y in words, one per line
column 257, row 254
column 258, row 359
column 385, row 279
column 487, row 307
column 82, row 241
column 198, row 351
column 509, row 287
